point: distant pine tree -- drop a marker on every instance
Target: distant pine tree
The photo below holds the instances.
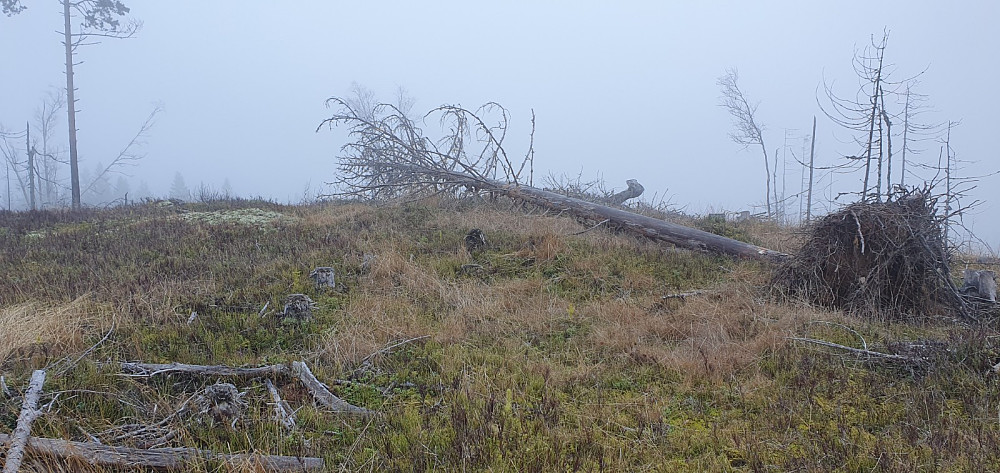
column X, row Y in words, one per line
column 179, row 190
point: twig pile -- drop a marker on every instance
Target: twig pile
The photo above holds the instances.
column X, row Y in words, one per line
column 881, row 259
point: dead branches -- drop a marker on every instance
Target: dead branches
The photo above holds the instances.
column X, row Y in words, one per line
column 388, row 144
column 884, row 259
column 296, row 369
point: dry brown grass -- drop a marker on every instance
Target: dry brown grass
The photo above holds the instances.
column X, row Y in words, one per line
column 729, row 327
column 45, row 329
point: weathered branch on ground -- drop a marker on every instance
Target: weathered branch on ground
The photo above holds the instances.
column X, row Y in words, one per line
column 322, row 394
column 282, row 413
column 683, row 295
column 858, row 351
column 29, row 412
column 145, row 370
column 166, row 458
column 297, row 369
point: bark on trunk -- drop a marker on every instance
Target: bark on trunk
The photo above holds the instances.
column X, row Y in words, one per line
column 165, row 458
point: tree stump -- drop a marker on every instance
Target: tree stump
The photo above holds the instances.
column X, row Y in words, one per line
column 298, row 307
column 980, row 283
column 324, row 277
column 367, row 261
column 475, row 240
column 222, row 403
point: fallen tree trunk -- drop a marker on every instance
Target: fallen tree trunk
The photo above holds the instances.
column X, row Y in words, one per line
column 679, row 235
column 297, row 369
column 29, row 412
column 164, row 458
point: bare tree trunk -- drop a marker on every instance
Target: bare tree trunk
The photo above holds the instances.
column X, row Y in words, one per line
column 878, row 171
column 947, row 195
column 812, row 157
column 74, row 169
column 767, row 171
column 888, row 155
column 31, row 165
column 906, row 128
column 778, row 211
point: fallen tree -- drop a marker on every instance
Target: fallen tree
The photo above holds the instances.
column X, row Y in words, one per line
column 178, row 458
column 295, row 369
column 29, row 412
column 391, row 157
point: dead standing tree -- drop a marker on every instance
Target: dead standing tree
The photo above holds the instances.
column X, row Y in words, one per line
column 390, row 156
column 100, row 19
column 868, row 115
column 746, row 130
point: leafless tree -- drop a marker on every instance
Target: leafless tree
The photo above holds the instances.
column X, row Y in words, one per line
column 12, row 159
column 98, row 19
column 747, row 131
column 390, row 155
column 872, row 117
column 915, row 131
column 46, row 119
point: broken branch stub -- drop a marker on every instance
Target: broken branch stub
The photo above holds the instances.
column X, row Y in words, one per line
column 220, row 403
column 634, row 190
column 475, row 240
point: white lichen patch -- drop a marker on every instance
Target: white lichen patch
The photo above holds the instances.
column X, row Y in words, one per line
column 250, row 217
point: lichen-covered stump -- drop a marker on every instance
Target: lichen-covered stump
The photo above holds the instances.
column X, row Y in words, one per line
column 324, row 277
column 298, row 307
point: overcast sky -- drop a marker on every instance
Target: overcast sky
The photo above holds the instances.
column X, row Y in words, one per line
column 621, row 89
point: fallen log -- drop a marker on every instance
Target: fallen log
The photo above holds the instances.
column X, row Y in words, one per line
column 678, row 235
column 297, row 369
column 29, row 412
column 179, row 458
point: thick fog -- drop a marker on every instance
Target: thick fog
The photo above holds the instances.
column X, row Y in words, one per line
column 620, row 89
